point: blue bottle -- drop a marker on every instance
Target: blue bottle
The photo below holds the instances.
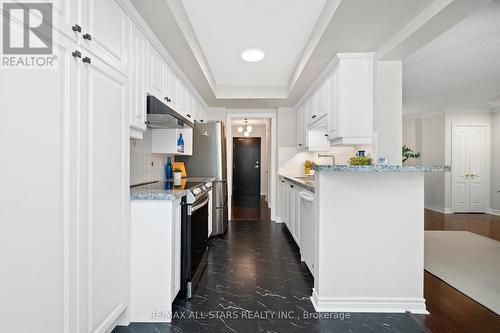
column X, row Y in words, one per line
column 168, row 169
column 180, row 144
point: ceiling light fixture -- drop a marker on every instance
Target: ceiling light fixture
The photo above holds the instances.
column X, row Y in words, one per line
column 246, row 129
column 252, row 55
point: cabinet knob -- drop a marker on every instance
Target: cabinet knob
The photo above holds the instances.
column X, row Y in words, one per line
column 87, row 36
column 326, row 135
column 87, row 60
column 76, row 28
column 76, row 54
column 313, row 116
column 189, row 116
column 300, row 144
column 167, row 99
column 291, row 186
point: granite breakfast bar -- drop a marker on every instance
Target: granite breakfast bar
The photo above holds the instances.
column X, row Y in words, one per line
column 369, row 238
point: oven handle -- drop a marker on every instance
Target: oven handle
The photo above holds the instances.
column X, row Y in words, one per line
column 195, row 208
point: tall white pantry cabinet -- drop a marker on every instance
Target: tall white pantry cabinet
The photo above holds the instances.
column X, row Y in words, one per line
column 65, row 134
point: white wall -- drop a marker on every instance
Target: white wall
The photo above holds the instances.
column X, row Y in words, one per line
column 409, row 136
column 259, row 131
column 432, row 136
column 217, row 114
column 144, row 165
column 287, row 127
column 388, row 112
column 431, row 143
column 495, row 162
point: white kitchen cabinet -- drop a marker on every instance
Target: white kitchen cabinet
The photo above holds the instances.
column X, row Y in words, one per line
column 307, row 228
column 170, row 87
column 321, row 96
column 180, row 100
column 137, row 82
column 350, row 99
column 291, row 210
column 164, row 141
column 39, row 239
column 155, row 258
column 176, row 248
column 104, row 193
column 156, row 74
column 105, row 32
column 301, row 129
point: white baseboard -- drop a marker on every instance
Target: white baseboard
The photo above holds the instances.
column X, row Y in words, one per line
column 368, row 304
column 278, row 220
column 494, row 212
column 439, row 209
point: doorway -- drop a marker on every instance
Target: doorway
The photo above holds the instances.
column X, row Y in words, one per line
column 469, row 169
column 246, row 169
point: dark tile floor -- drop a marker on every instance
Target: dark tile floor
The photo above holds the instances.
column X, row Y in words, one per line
column 255, row 282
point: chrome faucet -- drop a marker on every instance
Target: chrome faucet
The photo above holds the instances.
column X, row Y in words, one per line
column 328, row 155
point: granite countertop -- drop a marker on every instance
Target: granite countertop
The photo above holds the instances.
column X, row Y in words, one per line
column 164, row 189
column 382, row 168
column 306, row 182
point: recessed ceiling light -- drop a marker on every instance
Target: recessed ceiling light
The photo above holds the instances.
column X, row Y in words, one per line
column 252, row 55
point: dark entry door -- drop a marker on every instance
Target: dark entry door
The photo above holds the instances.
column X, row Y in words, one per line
column 246, row 167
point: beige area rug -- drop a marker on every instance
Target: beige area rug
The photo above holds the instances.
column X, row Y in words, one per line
column 466, row 261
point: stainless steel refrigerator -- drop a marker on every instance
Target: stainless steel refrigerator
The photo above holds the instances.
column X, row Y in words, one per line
column 209, row 160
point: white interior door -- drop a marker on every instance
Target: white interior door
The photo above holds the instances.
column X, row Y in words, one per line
column 468, row 169
column 477, row 169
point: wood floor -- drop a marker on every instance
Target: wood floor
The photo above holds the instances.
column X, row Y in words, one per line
column 250, row 208
column 451, row 311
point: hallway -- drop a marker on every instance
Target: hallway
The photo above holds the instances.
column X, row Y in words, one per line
column 255, row 282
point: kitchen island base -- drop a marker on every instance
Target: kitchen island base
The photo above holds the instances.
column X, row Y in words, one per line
column 369, row 241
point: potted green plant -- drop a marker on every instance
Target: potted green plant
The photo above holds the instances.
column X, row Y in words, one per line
column 408, row 153
column 361, row 160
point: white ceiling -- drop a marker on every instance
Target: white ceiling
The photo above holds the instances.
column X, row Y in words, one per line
column 280, row 28
column 300, row 38
column 460, row 68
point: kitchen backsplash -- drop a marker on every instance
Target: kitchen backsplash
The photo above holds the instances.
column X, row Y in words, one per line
column 144, row 165
column 291, row 161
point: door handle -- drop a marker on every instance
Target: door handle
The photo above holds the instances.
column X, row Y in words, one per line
column 256, row 167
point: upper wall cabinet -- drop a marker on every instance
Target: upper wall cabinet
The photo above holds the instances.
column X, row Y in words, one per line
column 301, row 128
column 340, row 108
column 105, row 32
column 349, row 99
column 156, row 73
column 137, row 82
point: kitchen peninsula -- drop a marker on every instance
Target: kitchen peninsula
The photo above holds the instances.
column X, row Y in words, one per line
column 369, row 238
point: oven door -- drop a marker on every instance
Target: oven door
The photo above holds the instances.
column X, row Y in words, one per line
column 195, row 243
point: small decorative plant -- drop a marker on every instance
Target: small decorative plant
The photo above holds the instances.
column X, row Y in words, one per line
column 361, row 160
column 308, row 165
column 408, row 153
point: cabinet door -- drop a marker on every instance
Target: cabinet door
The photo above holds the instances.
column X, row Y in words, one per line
column 321, row 100
column 332, row 106
column 105, row 32
column 67, row 15
column 137, row 82
column 179, row 97
column 293, row 211
column 171, row 87
column 156, row 74
column 301, row 129
column 39, row 126
column 189, row 105
column 176, row 248
column 104, row 192
column 287, row 204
